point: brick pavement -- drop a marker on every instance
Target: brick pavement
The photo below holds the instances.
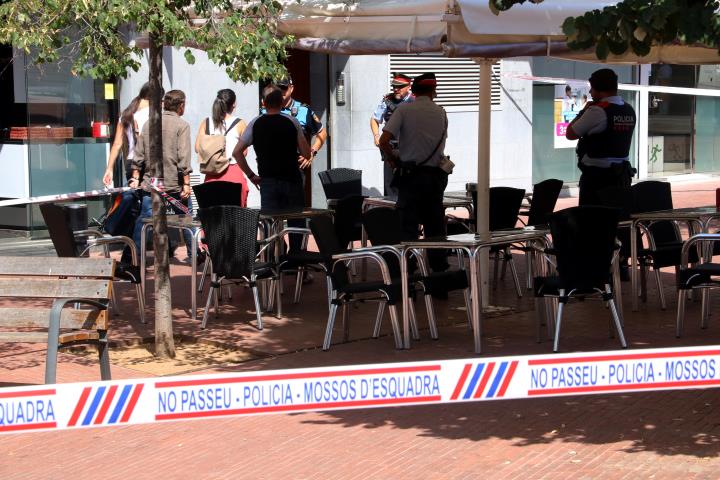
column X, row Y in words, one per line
column 658, row 435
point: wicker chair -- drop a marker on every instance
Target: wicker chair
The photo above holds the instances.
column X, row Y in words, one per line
column 343, row 291
column 341, row 182
column 231, row 233
column 383, row 227
column 586, row 250
column 701, row 276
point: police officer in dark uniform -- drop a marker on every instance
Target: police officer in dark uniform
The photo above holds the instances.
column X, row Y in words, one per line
column 604, row 129
column 421, row 128
column 315, row 133
column 400, row 94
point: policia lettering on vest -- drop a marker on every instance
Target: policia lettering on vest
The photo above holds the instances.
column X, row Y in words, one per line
column 604, row 129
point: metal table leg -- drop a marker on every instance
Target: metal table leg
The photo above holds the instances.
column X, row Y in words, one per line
column 143, row 256
column 405, row 297
column 476, row 300
column 193, row 272
column 634, row 266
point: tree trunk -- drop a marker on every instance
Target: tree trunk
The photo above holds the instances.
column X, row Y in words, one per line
column 164, row 342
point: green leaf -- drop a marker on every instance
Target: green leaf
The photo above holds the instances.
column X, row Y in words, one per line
column 602, row 50
column 568, row 26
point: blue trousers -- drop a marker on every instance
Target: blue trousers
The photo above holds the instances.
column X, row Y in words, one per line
column 146, row 212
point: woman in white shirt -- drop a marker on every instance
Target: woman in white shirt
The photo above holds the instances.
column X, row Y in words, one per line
column 128, row 128
column 223, row 119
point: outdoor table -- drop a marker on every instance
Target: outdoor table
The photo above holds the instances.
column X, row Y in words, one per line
column 471, row 244
column 178, row 222
column 449, row 201
column 698, row 218
column 461, row 194
column 277, row 217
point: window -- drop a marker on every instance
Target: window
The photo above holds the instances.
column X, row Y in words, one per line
column 457, row 78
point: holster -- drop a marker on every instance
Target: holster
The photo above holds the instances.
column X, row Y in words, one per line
column 402, row 170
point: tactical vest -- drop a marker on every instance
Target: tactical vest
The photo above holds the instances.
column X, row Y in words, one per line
column 615, row 140
column 390, row 105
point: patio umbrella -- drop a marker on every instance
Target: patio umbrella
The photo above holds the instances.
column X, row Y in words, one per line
column 464, row 28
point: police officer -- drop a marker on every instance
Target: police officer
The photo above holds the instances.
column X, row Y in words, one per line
column 421, row 129
column 604, row 129
column 400, row 94
column 312, row 127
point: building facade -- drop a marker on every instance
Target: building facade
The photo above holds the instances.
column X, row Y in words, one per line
column 532, row 98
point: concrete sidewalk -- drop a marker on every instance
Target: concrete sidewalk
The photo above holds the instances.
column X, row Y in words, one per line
column 658, row 435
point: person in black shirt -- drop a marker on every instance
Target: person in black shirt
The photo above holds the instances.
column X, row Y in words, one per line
column 279, row 142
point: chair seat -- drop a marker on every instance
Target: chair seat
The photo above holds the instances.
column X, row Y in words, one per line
column 699, row 275
column 263, row 269
column 550, row 286
column 447, row 281
column 393, row 291
column 666, row 255
column 294, row 259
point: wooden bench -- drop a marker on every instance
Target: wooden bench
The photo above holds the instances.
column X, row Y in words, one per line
column 75, row 283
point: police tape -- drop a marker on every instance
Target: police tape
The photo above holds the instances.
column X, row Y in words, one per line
column 158, row 400
column 63, row 196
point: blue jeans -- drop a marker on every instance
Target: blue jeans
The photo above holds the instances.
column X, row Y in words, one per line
column 277, row 194
column 146, row 212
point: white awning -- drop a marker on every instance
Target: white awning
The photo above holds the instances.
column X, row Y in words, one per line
column 464, row 28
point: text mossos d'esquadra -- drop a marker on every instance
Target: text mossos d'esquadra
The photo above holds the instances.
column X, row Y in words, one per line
column 26, row 412
column 304, row 392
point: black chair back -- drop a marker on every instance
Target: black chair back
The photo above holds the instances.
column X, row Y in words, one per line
column 231, row 236
column 341, row 182
column 544, row 198
column 383, row 227
column 213, row 194
column 327, row 242
column 505, row 203
column 621, row 198
column 348, row 218
column 652, row 196
column 58, row 223
column 584, row 242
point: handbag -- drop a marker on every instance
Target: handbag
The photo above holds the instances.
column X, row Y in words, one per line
column 212, row 156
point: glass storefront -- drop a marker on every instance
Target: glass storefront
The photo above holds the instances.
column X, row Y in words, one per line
column 671, row 121
column 553, row 158
column 56, row 137
column 707, row 135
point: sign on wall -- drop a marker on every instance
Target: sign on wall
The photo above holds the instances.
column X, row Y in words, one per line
column 569, row 100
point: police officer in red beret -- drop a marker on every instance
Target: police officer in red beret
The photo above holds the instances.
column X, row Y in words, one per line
column 400, row 94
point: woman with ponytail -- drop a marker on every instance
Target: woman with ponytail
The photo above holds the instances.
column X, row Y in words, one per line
column 128, row 128
column 223, row 122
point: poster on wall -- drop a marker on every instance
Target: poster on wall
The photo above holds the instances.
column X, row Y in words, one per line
column 569, row 100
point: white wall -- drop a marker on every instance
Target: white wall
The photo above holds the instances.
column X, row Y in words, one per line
column 200, row 82
column 366, row 83
column 351, row 141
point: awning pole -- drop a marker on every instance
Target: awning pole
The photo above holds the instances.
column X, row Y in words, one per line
column 483, row 169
